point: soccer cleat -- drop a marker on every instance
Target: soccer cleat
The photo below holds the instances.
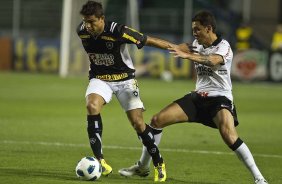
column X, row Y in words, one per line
column 261, row 181
column 106, row 169
column 136, row 169
column 160, row 173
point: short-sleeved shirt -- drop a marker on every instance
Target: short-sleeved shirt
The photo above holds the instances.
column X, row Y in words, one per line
column 214, row 81
column 213, row 87
column 108, row 54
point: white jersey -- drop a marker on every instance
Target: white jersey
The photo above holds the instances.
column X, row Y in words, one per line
column 215, row 81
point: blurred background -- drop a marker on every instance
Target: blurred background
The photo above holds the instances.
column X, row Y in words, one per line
column 40, row 36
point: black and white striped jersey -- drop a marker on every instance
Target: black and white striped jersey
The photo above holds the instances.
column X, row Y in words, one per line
column 108, row 54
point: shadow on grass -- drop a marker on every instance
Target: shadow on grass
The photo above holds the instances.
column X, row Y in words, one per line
column 26, row 173
column 173, row 180
column 70, row 177
column 115, row 178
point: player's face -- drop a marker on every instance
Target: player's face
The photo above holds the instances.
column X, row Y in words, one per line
column 93, row 24
column 200, row 32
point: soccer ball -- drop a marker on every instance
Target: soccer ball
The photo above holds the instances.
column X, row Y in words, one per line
column 88, row 168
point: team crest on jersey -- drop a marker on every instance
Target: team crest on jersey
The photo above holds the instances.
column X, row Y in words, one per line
column 135, row 93
column 108, row 38
column 109, row 45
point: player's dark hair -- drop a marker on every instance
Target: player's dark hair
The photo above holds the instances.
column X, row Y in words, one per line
column 92, row 8
column 205, row 18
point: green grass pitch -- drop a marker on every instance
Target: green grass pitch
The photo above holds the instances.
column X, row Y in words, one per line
column 43, row 133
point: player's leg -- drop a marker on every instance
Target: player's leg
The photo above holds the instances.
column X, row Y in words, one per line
column 97, row 94
column 129, row 98
column 94, row 105
column 145, row 159
column 146, row 135
column 173, row 113
column 225, row 123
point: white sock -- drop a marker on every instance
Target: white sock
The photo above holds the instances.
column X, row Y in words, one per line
column 146, row 158
column 246, row 157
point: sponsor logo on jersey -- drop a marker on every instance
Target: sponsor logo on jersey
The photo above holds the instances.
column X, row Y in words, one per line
column 101, row 59
column 112, row 77
column 84, row 36
column 224, row 106
column 222, row 72
column 203, row 70
column 128, row 37
column 108, row 38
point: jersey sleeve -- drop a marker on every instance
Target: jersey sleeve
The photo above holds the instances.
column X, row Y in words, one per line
column 224, row 50
column 196, row 46
column 79, row 28
column 81, row 31
column 131, row 36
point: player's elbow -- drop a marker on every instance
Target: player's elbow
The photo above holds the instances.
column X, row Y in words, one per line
column 215, row 60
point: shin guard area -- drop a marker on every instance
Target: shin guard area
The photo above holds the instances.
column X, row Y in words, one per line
column 95, row 129
column 149, row 142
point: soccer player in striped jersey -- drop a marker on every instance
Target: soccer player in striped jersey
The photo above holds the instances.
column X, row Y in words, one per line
column 211, row 103
column 112, row 72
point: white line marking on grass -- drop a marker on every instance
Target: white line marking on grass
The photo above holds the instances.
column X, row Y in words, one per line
column 132, row 148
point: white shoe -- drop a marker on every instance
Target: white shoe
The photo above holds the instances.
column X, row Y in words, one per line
column 261, row 181
column 136, row 169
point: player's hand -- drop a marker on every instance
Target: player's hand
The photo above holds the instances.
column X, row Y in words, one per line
column 177, row 52
column 192, row 48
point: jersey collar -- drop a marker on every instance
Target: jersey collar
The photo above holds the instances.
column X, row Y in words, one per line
column 217, row 41
column 107, row 26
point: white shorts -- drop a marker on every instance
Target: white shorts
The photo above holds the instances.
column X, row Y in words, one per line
column 127, row 92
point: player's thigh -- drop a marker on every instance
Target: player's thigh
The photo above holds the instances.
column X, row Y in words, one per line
column 98, row 87
column 128, row 95
column 171, row 114
column 225, row 123
column 224, row 118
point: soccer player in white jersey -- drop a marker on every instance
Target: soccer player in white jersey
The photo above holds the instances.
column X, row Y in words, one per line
column 211, row 103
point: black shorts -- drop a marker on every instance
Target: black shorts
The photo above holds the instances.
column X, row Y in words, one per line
column 201, row 109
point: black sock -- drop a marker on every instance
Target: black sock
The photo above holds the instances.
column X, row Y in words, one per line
column 149, row 142
column 95, row 129
column 236, row 145
column 156, row 131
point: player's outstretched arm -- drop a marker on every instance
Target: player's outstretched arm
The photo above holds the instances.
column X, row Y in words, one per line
column 158, row 43
column 209, row 60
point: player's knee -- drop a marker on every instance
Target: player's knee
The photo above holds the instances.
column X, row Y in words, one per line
column 93, row 108
column 156, row 121
column 229, row 135
column 137, row 123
